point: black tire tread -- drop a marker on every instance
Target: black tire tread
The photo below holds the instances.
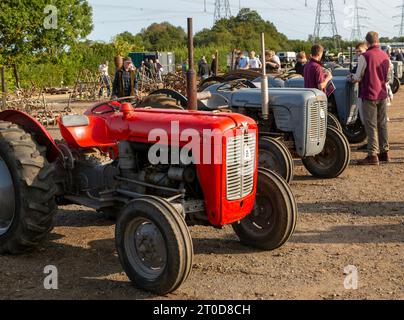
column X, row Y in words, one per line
column 179, row 227
column 283, row 191
column 36, row 188
column 268, row 143
column 343, row 164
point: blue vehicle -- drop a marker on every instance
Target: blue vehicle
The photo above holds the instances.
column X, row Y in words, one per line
column 342, row 103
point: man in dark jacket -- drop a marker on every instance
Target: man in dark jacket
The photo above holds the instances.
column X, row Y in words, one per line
column 125, row 82
column 373, row 92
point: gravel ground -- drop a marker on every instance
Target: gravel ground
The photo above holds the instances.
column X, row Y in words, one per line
column 357, row 219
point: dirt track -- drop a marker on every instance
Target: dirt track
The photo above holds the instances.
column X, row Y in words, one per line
column 357, row 220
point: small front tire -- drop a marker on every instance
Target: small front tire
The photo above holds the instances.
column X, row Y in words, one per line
column 154, row 245
column 334, row 158
column 274, row 156
column 274, row 218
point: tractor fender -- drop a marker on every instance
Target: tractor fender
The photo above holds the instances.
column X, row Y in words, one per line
column 31, row 125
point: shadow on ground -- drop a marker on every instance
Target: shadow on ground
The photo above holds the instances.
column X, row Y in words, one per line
column 351, row 234
column 372, row 209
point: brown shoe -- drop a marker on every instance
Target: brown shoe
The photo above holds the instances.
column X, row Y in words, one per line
column 384, row 157
column 369, row 161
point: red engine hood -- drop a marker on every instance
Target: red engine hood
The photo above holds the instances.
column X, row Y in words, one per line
column 107, row 129
column 142, row 121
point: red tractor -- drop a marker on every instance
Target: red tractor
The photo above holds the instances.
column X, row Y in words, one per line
column 103, row 162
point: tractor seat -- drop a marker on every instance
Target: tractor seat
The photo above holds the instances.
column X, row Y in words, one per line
column 75, row 120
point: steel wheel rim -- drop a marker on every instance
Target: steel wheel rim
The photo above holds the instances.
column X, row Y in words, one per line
column 327, row 157
column 261, row 219
column 7, row 198
column 146, row 248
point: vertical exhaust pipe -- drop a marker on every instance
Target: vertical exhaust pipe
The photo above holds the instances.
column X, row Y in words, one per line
column 264, row 83
column 191, row 75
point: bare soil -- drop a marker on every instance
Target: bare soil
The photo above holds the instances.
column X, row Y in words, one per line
column 357, row 219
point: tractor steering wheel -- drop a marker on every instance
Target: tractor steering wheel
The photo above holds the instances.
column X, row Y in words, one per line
column 112, row 109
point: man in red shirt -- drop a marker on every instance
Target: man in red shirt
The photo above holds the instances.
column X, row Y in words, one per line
column 314, row 74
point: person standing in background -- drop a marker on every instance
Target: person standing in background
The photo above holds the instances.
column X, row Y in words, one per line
column 203, row 69
column 159, row 71
column 184, row 68
column 105, row 79
column 273, row 63
column 254, row 62
column 243, row 62
column 125, row 81
column 301, row 62
column 213, row 65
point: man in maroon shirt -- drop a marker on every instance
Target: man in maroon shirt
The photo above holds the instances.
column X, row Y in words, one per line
column 373, row 91
column 314, row 74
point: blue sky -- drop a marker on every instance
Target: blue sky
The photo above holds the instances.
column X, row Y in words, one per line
column 292, row 18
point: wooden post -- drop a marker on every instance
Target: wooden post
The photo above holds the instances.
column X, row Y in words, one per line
column 217, row 63
column 3, row 87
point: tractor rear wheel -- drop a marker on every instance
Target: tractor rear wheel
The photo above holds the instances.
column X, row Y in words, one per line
column 27, row 191
column 355, row 133
column 154, row 245
column 333, row 121
column 159, row 101
column 334, row 158
column 274, row 218
column 275, row 156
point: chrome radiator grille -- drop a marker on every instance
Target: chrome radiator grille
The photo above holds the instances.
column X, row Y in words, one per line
column 240, row 161
column 317, row 121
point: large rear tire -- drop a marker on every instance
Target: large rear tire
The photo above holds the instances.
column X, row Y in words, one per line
column 27, row 191
column 275, row 156
column 154, row 245
column 334, row 158
column 274, row 218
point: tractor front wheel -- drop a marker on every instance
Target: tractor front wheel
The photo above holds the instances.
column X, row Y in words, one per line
column 27, row 191
column 274, row 156
column 154, row 245
column 334, row 158
column 274, row 218
column 333, row 121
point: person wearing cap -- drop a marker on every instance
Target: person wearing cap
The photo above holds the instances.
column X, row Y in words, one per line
column 125, row 81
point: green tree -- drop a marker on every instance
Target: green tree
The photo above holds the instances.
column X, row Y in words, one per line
column 163, row 36
column 23, row 30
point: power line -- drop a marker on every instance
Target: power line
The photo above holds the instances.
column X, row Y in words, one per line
column 356, row 26
column 222, row 10
column 401, row 25
column 325, row 18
